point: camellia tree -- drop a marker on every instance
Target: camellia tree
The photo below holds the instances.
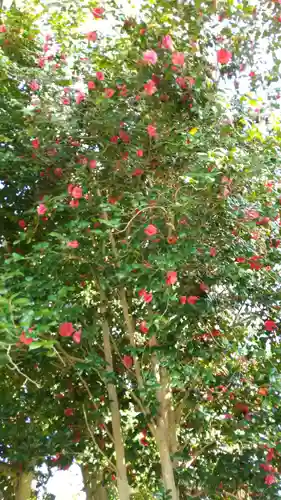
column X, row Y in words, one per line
column 140, row 248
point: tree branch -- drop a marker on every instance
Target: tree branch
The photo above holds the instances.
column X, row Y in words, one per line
column 95, row 442
column 15, row 367
column 95, row 405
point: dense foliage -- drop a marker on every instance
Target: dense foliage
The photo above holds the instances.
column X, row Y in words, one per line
column 140, row 204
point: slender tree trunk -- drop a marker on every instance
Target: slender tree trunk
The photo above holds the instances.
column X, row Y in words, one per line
column 23, row 486
column 166, row 462
column 131, row 333
column 122, row 480
column 172, row 426
column 162, row 430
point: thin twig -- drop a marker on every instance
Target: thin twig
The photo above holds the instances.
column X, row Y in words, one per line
column 69, row 356
column 230, row 494
column 19, row 371
column 136, row 215
column 199, row 452
column 95, row 442
column 59, row 356
column 95, row 405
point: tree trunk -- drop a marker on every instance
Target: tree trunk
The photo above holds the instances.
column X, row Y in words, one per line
column 93, row 485
column 162, row 430
column 166, row 462
column 23, row 486
column 122, row 480
column 172, row 427
column 100, row 493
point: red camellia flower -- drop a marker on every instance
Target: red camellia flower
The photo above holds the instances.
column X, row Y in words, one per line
column 66, row 329
column 77, row 192
column 35, row 143
column 150, row 230
column 191, row 81
column 270, row 325
column 73, row 244
column 140, row 153
column 167, row 42
column 143, row 327
column 100, row 76
column 178, row 58
column 92, row 164
column 69, row 188
column 255, row 265
column 151, row 130
column 82, row 160
column 150, row 87
column 22, row 223
column 172, row 240
column 267, row 467
column 263, row 391
column 3, row 28
column 108, row 93
column 143, row 441
column 183, row 299
column 79, row 97
column 228, row 416
column 137, row 172
column 77, row 336
column 270, row 479
column 60, row 395
column 252, row 214
column 91, row 36
column 76, row 437
column 33, row 85
column 242, row 407
column 181, row 82
column 42, row 209
column 69, row 412
column 74, row 203
column 41, row 62
column 240, row 260
column 223, row 56
column 58, row 172
column 98, row 12
column 204, row 287
column 171, row 277
column 124, row 136
column 25, row 340
column 213, row 252
column 56, row 457
column 147, row 296
column 263, row 221
column 270, row 455
column 215, row 333
column 127, row 361
column 192, row 299
column 91, row 85
column 150, row 57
